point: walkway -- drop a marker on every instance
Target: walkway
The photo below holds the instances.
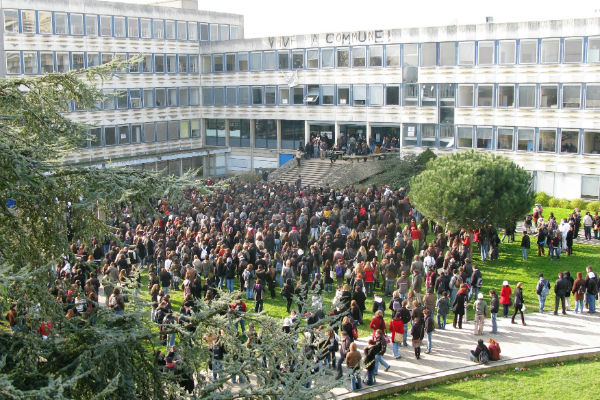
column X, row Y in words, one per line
column 545, row 336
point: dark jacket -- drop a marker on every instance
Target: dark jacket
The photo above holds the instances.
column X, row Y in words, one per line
column 494, row 305
column 562, row 287
column 418, row 330
column 518, row 298
column 526, row 242
column 459, row 302
column 480, row 348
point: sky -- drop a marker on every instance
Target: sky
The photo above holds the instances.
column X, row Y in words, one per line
column 279, row 18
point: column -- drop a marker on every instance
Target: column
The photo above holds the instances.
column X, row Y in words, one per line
column 278, row 136
column 306, row 132
column 203, row 131
column 368, row 134
column 252, row 134
column 226, row 133
column 336, row 133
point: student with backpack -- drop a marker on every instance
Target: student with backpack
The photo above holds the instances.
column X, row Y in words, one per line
column 398, row 333
column 542, row 290
column 442, row 307
column 429, row 328
column 579, row 292
column 481, row 354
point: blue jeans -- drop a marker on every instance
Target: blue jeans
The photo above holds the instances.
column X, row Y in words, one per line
column 355, row 380
column 524, row 250
column 229, row 283
column 587, row 232
column 542, row 300
column 119, row 312
column 494, row 323
column 453, row 294
column 554, row 251
column 579, row 305
column 484, row 248
column 441, row 321
column 473, row 293
column 591, row 301
column 379, row 359
column 221, row 282
column 216, row 368
column 240, row 322
column 170, row 341
column 429, row 335
column 370, row 377
column 279, row 278
column 165, row 290
column 396, row 348
column 249, row 293
column 369, row 286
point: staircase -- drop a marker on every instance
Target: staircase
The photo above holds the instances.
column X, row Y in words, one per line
column 314, row 172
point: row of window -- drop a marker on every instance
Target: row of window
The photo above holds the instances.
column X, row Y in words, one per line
column 63, row 23
column 566, row 96
column 143, row 133
column 499, row 52
column 41, row 62
column 148, row 98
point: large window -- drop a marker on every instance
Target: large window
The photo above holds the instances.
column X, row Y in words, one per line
column 410, row 94
column 485, row 55
column 591, row 142
column 47, row 62
column 569, row 141
column 13, row 62
column 527, row 96
column 506, row 52
column 265, row 133
column 121, row 97
column 505, row 139
column 194, row 96
column 411, row 55
column 11, row 21
column 223, row 32
column 95, row 137
column 28, row 21
column 528, row 51
column 207, row 96
column 550, row 51
column 181, row 30
column 91, row 25
column 571, row 96
column 298, row 95
column 135, row 98
column 284, row 95
column 343, row 94
column 231, row 96
column 359, row 95
column 219, row 64
column 45, row 22
column 327, row 58
column 158, row 28
column 161, row 131
column 428, row 94
column 170, row 30
column 159, row 63
column 292, row 134
column 30, row 62
column 573, row 51
column 160, row 97
column 375, row 95
column 283, row 59
column 195, row 128
column 110, row 135
column 484, row 137
column 358, row 56
column 593, row 52
column 312, row 58
column 342, row 57
column 270, row 60
column 193, row 64
column 465, row 95
column 485, row 95
column 172, row 97
column 257, row 94
column 148, row 98
column 61, row 24
column 428, row 54
column 446, row 136
column 184, row 129
column 256, row 61
column 270, row 95
column 392, row 95
column 173, row 127
column 133, row 27
column 171, row 63
column 525, row 139
column 124, row 134
column 392, row 55
column 146, row 28
column 215, row 132
column 465, row 136
column 204, row 35
column 120, row 27
column 105, row 25
column 242, row 61
column 76, row 24
column 466, row 53
column 182, row 63
column 427, row 135
column 548, row 96
column 149, row 134
column 592, row 96
column 448, row 53
column 375, row 56
column 146, row 62
column 298, row 59
column 547, row 140
column 409, row 135
column 590, row 187
column 192, row 30
column 244, row 95
column 327, row 94
column 506, row 95
column 239, row 133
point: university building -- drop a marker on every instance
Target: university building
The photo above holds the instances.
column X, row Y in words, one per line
column 205, row 96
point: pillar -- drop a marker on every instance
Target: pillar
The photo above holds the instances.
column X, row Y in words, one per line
column 306, row 132
column 203, row 131
column 278, row 136
column 252, row 135
column 368, row 134
column 226, row 133
column 336, row 134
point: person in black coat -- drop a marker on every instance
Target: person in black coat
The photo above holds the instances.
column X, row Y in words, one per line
column 561, row 288
column 287, row 292
column 417, row 332
column 458, row 306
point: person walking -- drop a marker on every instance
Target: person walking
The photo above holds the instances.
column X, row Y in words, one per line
column 429, row 328
column 505, row 294
column 525, row 244
column 382, row 343
column 259, row 295
column 561, row 288
column 353, row 362
column 494, row 308
column 397, row 330
column 418, row 332
column 344, row 350
column 459, row 306
column 370, row 352
column 591, row 290
column 518, row 303
column 480, row 307
column 542, row 290
column 442, row 306
column 588, row 223
column 579, row 292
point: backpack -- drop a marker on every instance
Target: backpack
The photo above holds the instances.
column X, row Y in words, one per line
column 581, row 290
column 479, row 283
column 339, row 271
column 546, row 288
column 484, row 358
column 396, row 305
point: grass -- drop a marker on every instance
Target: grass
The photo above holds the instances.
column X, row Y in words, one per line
column 574, row 380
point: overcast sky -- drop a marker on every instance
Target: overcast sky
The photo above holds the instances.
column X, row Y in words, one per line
column 277, row 17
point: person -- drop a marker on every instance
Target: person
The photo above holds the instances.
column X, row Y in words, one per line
column 377, row 323
column 579, row 292
column 561, row 288
column 370, row 352
column 429, row 328
column 442, row 306
column 542, row 290
column 505, row 294
column 397, row 329
column 299, row 154
column 588, row 223
column 11, row 317
column 518, row 303
column 525, row 244
column 287, row 292
column 344, row 350
column 476, row 283
column 458, row 307
column 353, row 362
column 406, row 318
column 494, row 308
column 259, row 295
column 480, row 307
column 116, row 301
column 476, row 355
column 541, row 242
column 591, row 290
column 239, row 308
column 418, row 332
column 494, row 350
column 381, row 340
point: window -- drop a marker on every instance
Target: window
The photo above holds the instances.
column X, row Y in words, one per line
column 136, row 133
column 375, row 56
column 447, row 94
column 78, row 61
column 234, row 32
column 528, row 52
column 265, row 133
column 593, row 53
column 172, row 97
column 571, row 96
column 28, row 21
column 158, row 26
column 223, row 32
column 61, row 24
column 91, row 25
column 193, row 68
column 124, row 134
column 466, row 53
column 312, row 95
column 192, row 31
column 105, row 25
column 255, row 61
column 135, row 98
column 194, row 96
column 448, row 53
column 242, row 61
column 506, row 52
column 573, row 51
column 465, row 95
column 13, row 62
column 343, row 95
column 358, row 56
column 284, row 95
column 298, row 95
column 506, row 95
column 392, row 55
column 550, row 51
column 547, row 140
column 548, row 96
column 410, row 94
column 181, row 30
column 149, row 134
column 206, row 64
column 182, row 64
column 292, row 134
column 270, row 60
column 312, row 58
column 428, row 54
column 184, row 129
column 207, row 96
column 411, row 55
column 95, row 137
column 465, row 136
column 327, row 58
column 392, row 95
column 590, row 187
column 183, row 97
column 107, row 57
column 270, row 95
column 231, row 94
column 146, row 63
column 214, row 32
column 146, row 28
column 592, row 96
column 30, row 62
column 219, row 96
column 77, row 24
column 409, row 135
column 148, row 98
column 47, row 62
column 485, row 54
column 239, row 132
column 485, row 95
column 133, row 27
column 428, row 94
column 257, row 95
column 505, row 138
column 569, row 141
column 171, row 63
column 170, row 30
column 327, row 94
column 525, row 139
column 243, row 96
column 446, row 136
column 45, row 22
column 204, row 32
column 526, row 96
column 428, row 135
column 591, row 142
column 283, row 57
column 160, row 97
column 342, row 57
column 484, row 137
column 196, row 131
column 110, row 135
column 11, row 21
column 297, row 59
column 120, row 27
column 159, row 63
column 375, row 95
column 161, row 131
column 218, row 63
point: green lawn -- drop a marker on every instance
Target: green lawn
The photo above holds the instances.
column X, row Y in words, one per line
column 574, row 380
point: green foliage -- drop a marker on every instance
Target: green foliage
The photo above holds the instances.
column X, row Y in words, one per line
column 471, row 189
column 425, row 157
column 593, row 206
column 564, row 203
column 553, row 202
column 579, row 203
column 542, row 198
column 397, row 172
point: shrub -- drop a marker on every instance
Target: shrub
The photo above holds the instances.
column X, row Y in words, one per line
column 552, row 202
column 593, row 206
column 564, row 203
column 579, row 203
column 542, row 198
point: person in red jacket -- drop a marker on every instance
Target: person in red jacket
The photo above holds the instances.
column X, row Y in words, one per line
column 369, row 279
column 377, row 323
column 494, row 350
column 505, row 294
column 397, row 330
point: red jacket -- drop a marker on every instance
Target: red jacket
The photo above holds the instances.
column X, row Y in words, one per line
column 396, row 326
column 369, row 275
column 505, row 293
column 377, row 323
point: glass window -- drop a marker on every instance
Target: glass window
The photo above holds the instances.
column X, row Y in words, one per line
column 485, row 54
column 30, row 62
column 327, row 94
column 91, row 25
column 593, row 53
column 234, row 32
column 120, row 27
column 243, row 96
column 284, row 95
column 161, row 131
column 195, row 125
column 124, row 134
column 223, row 32
column 375, row 56
column 107, row 57
column 172, row 97
column 147, row 63
column 171, row 63
column 591, row 142
column 159, row 63
column 105, row 25
column 550, row 51
column 192, row 31
column 206, row 64
column 193, row 66
column 465, row 95
column 214, row 32
column 256, row 61
column 312, row 95
column 257, row 95
column 61, row 25
column 448, row 53
column 343, row 95
column 525, row 139
column 410, row 94
column 183, row 97
column 181, row 30
column 298, row 95
column 592, row 96
column 28, row 21
column 160, row 97
column 375, row 95
column 411, row 55
column 342, row 57
column 428, row 135
column 569, row 141
column 76, row 24
column 392, row 95
column 428, row 54
column 239, row 132
column 242, row 59
column 270, row 95
column 148, row 98
column 11, row 21
column 47, row 62
column 133, row 27
column 218, row 64
column 506, row 52
column 146, row 28
column 292, row 134
column 110, row 135
column 485, row 95
column 466, row 53
column 207, row 96
column 392, row 55
column 526, row 96
column 78, row 61
column 184, row 129
column 231, row 93
column 270, row 60
column 173, row 127
column 170, row 30
column 298, row 59
column 109, row 100
column 265, row 133
column 194, row 96
column 409, row 135
column 182, row 64
column 547, row 140
column 484, row 137
column 45, row 22
column 284, row 59
column 327, row 58
column 136, row 133
column 446, row 136
column 312, row 58
column 149, row 134
column 410, row 74
column 548, row 96
column 428, row 94
column 465, row 136
column 95, row 137
column 528, row 51
column 135, row 98
column 447, row 94
column 506, row 95
column 573, row 52
column 158, row 28
column 571, row 96
column 505, row 138
column 204, row 35
column 590, row 187
column 13, row 62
